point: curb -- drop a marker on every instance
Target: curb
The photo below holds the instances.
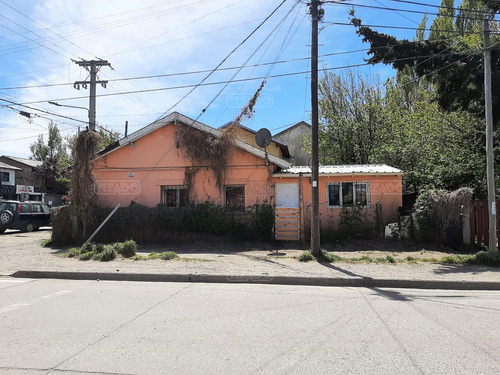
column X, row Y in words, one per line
column 358, row 282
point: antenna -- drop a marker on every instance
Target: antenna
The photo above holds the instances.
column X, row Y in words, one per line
column 263, row 138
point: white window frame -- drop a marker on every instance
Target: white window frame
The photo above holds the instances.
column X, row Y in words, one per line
column 177, row 188
column 366, row 183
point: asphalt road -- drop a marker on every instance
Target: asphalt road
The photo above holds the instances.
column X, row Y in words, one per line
column 98, row 327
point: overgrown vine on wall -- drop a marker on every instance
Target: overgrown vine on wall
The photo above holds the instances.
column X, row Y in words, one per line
column 212, row 150
column 83, row 192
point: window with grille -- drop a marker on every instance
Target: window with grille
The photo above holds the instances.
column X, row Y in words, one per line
column 4, row 176
column 235, row 197
column 342, row 194
column 174, row 196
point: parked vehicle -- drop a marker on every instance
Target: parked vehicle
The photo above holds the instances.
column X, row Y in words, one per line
column 25, row 216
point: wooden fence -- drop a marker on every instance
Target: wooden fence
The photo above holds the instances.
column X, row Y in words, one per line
column 479, row 225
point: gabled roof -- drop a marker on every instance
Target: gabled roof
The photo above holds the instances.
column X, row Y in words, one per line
column 300, row 123
column 331, row 170
column 178, row 117
column 281, row 145
column 28, row 162
column 7, row 166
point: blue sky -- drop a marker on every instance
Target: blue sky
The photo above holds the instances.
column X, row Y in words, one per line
column 40, row 39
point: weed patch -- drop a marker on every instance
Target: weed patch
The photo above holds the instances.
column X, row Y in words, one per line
column 306, row 256
column 47, row 242
column 329, row 257
column 168, row 255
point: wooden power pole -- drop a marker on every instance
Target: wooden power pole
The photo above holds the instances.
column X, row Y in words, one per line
column 315, row 245
column 490, row 171
column 92, row 67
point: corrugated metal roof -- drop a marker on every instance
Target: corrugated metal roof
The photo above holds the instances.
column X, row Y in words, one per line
column 346, row 169
column 31, row 163
column 7, row 166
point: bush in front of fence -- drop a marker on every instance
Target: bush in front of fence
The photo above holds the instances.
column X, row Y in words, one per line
column 164, row 224
column 438, row 216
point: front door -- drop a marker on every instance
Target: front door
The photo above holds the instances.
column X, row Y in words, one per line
column 287, row 195
column 287, row 212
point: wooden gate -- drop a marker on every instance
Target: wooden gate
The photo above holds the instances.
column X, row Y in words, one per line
column 479, row 222
column 287, row 224
column 287, row 220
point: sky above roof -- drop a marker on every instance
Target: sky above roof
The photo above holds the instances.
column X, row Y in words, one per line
column 160, row 50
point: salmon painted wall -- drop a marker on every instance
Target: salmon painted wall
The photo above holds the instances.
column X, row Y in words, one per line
column 137, row 171
column 386, row 189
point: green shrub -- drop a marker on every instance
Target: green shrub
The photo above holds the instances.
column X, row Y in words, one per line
column 87, row 256
column 99, row 248
column 306, row 256
column 154, row 255
column 127, row 249
column 167, row 255
column 438, row 216
column 390, row 259
column 88, row 247
column 106, row 254
column 74, row 252
column 353, row 225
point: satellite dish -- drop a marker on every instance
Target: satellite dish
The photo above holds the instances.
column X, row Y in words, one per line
column 263, row 138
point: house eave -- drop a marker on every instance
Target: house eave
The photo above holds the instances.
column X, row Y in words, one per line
column 175, row 117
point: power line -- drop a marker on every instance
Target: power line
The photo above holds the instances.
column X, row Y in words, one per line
column 405, row 10
column 412, row 28
column 121, row 23
column 53, row 32
column 225, row 59
column 209, row 70
column 41, row 110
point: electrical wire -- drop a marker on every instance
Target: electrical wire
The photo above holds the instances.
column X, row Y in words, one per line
column 219, row 70
column 239, row 80
column 225, row 59
column 414, row 28
column 437, row 6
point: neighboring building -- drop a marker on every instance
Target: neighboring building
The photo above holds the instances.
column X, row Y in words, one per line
column 8, row 181
column 247, row 135
column 27, row 181
column 154, row 166
column 293, row 137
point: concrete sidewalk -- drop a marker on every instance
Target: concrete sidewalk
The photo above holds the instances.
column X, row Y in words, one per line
column 22, row 256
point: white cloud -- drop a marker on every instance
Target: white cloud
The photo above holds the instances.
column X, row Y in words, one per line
column 149, row 37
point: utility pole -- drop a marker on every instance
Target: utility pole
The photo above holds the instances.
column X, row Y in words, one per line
column 490, row 171
column 315, row 15
column 92, row 67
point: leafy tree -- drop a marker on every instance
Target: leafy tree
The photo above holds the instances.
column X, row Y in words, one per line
column 350, row 116
column 451, row 58
column 40, row 150
column 401, row 125
column 53, row 154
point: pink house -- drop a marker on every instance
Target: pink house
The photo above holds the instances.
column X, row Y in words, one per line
column 152, row 166
column 165, row 163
